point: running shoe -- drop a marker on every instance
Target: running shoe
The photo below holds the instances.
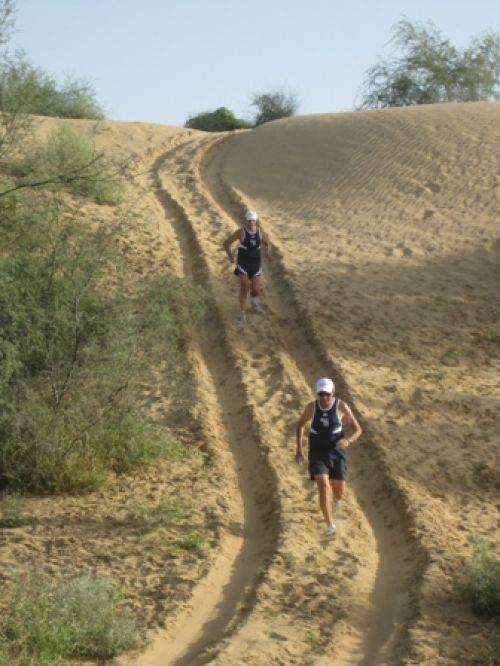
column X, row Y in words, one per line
column 330, row 530
column 241, row 319
column 256, row 306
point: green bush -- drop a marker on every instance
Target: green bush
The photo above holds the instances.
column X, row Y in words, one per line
column 220, row 120
column 75, row 347
column 479, row 581
column 48, row 621
column 68, row 159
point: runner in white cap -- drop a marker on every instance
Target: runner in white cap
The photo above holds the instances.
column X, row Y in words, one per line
column 248, row 260
column 327, row 445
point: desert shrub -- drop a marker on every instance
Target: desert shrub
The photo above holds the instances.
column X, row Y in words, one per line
column 479, row 581
column 68, row 159
column 75, row 344
column 48, row 622
column 494, row 336
column 220, row 120
column 77, row 335
column 29, row 89
column 273, row 105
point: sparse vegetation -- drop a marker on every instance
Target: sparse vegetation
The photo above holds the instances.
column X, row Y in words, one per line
column 479, row 581
column 289, row 560
column 164, row 514
column 28, row 89
column 494, row 336
column 48, row 622
column 69, row 160
column 425, row 68
column 11, row 511
column 74, row 344
column 76, row 336
column 193, row 541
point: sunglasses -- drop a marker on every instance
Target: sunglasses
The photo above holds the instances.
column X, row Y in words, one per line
column 324, row 394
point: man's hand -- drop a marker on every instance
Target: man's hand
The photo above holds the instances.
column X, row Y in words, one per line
column 299, row 457
column 343, row 443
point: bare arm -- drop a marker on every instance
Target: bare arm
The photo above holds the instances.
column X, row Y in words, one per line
column 236, row 236
column 267, row 246
column 350, row 420
column 306, row 416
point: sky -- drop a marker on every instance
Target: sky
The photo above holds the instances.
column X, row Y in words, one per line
column 164, row 60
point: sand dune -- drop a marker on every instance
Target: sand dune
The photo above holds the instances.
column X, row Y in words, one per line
column 385, row 275
column 386, row 222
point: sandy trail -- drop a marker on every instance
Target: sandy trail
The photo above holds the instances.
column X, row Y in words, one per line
column 258, row 383
column 223, row 597
column 379, row 617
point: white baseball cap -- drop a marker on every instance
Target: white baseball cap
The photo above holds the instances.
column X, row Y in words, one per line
column 325, row 385
column 251, row 215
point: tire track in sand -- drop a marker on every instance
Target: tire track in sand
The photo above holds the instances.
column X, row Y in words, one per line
column 221, row 600
column 376, row 630
column 265, row 377
column 373, row 559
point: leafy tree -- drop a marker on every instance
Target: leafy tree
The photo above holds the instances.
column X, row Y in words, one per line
column 220, row 120
column 273, row 105
column 426, row 68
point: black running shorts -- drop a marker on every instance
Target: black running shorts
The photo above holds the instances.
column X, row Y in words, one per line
column 334, row 466
column 250, row 268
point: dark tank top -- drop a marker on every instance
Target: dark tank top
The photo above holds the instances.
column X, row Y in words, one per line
column 326, row 430
column 249, row 247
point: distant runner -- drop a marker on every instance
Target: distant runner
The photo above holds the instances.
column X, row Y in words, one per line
column 248, row 261
column 327, row 445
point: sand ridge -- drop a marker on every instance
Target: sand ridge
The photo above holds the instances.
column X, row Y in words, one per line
column 388, row 226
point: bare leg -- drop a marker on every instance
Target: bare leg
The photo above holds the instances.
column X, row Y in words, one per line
column 256, row 285
column 324, row 497
column 244, row 285
column 338, row 489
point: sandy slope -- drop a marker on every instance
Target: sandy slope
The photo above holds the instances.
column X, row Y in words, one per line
column 385, row 276
column 96, row 533
column 311, row 599
column 130, row 140
column 370, row 214
column 387, row 228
